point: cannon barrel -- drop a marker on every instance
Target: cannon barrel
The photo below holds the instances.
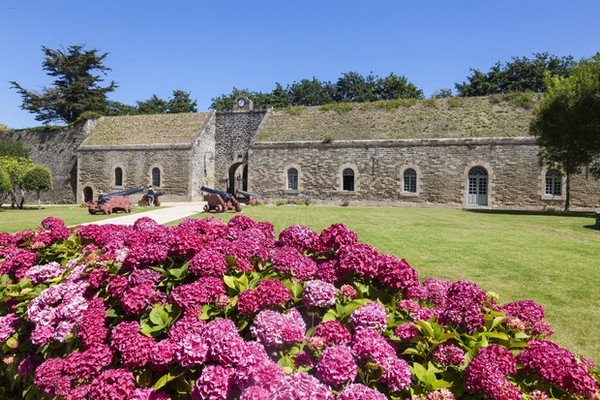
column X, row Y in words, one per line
column 224, row 195
column 249, row 194
column 126, row 192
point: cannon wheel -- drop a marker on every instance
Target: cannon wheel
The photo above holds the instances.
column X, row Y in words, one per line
column 156, row 201
column 128, row 210
column 219, row 208
column 238, row 207
column 206, row 208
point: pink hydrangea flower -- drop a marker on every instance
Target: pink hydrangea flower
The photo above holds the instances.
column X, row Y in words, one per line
column 442, row 394
column 395, row 273
column 45, row 272
column 301, row 386
column 208, row 262
column 449, row 354
column 190, row 297
column 397, row 374
column 407, row 331
column 113, row 384
column 134, row 347
column 531, row 314
column 8, row 326
column 360, row 259
column 487, row 373
column 357, row 391
column 463, row 307
column 559, row 367
column 336, row 366
column 332, row 333
column 290, row 261
column 274, row 329
column 370, row 315
column 192, row 350
column 318, row 294
column 370, row 345
column 299, row 237
column 213, row 384
column 348, row 291
column 336, row 236
column 255, row 393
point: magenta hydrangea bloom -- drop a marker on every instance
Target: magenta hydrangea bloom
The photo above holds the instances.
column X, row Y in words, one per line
column 8, row 326
column 559, row 367
column 449, row 354
column 274, row 329
column 301, row 386
column 49, row 374
column 487, row 373
column 192, row 296
column 336, row 366
column 407, row 331
column 358, row 391
column 463, row 307
column 348, row 291
column 332, row 333
column 208, row 263
column 241, row 222
column 134, row 347
column 226, row 346
column 360, row 259
column 336, row 236
column 42, row 273
column 213, row 384
column 163, row 354
column 15, row 258
column 437, row 290
column 299, row 237
column 395, row 273
column 113, row 384
column 318, row 294
column 397, row 374
column 255, row 393
column 370, row 315
column 272, row 292
column 442, row 394
column 148, row 394
column 370, row 345
column 290, row 261
column 192, row 350
column 531, row 314
column 249, row 301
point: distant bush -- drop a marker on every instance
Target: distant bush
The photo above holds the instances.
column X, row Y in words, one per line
column 455, row 102
column 340, row 108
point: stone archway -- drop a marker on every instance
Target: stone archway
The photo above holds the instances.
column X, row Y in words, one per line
column 88, row 194
column 238, row 177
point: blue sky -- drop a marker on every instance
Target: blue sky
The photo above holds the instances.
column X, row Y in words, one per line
column 207, row 48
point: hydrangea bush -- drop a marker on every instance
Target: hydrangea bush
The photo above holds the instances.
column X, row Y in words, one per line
column 213, row 311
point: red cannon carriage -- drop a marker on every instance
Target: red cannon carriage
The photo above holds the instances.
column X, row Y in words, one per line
column 113, row 202
column 219, row 201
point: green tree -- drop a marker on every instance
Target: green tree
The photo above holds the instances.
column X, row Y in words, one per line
column 181, row 103
column 225, row 102
column 76, row 88
column 16, row 167
column 311, row 92
column 518, row 75
column 5, row 185
column 442, row 93
column 154, row 105
column 394, row 87
column 566, row 123
column 353, row 87
column 116, row 108
column 13, row 148
column 37, row 178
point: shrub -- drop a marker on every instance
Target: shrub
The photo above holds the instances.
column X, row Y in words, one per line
column 208, row 310
column 340, row 108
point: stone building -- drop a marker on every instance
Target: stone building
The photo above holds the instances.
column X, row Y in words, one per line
column 457, row 152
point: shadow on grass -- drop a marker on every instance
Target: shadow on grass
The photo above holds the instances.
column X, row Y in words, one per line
column 579, row 214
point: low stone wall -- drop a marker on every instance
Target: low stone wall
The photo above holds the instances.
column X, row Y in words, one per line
column 516, row 181
column 55, row 148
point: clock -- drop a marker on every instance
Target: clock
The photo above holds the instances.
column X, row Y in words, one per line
column 241, row 102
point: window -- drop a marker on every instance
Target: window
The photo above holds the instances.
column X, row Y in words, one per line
column 155, row 177
column 410, row 180
column 553, row 183
column 348, row 180
column 292, row 179
column 118, row 176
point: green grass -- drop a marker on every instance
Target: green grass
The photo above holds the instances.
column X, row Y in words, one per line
column 14, row 220
column 550, row 258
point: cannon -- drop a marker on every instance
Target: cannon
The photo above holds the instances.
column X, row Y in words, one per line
column 219, row 201
column 144, row 200
column 113, row 202
column 249, row 197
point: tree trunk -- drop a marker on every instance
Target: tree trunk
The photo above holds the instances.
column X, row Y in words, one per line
column 568, row 194
column 39, row 200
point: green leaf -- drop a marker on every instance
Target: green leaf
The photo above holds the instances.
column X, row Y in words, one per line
column 159, row 316
column 329, row 316
column 420, row 372
column 229, row 281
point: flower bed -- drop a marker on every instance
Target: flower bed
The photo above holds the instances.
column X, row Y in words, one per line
column 208, row 310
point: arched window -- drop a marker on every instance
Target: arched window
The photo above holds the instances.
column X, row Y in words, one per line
column 348, row 180
column 155, row 177
column 292, row 179
column 478, row 186
column 410, row 180
column 118, row 176
column 553, row 183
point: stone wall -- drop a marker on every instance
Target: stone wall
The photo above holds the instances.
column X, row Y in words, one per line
column 516, row 181
column 55, row 148
column 203, row 155
column 97, row 165
column 235, row 131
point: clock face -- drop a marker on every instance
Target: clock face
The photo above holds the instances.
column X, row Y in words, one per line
column 241, row 102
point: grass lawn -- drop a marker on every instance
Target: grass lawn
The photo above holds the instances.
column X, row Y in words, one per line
column 552, row 259
column 14, row 220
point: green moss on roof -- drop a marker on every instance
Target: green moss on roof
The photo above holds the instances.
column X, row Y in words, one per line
column 493, row 116
column 146, row 129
